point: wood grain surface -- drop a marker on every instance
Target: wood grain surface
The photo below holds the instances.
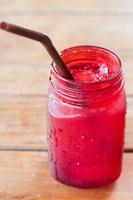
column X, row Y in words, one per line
column 23, row 122
column 25, row 176
column 24, row 74
column 120, row 6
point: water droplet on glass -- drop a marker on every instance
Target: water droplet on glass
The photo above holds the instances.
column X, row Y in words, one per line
column 64, row 152
column 50, row 156
column 86, row 67
column 55, row 138
column 77, row 163
column 60, row 130
column 102, row 109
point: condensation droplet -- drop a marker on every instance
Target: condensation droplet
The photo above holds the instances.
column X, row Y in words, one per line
column 77, row 163
column 60, row 130
column 83, row 137
column 102, row 109
column 64, row 152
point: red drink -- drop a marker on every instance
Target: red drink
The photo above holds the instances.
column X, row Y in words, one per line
column 87, row 118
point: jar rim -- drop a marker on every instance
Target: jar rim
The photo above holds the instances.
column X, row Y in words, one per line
column 91, row 83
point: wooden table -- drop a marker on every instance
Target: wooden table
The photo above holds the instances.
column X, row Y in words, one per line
column 24, row 72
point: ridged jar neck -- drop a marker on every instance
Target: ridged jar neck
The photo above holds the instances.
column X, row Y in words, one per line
column 76, row 92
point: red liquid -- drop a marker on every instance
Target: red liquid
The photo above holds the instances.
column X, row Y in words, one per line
column 90, row 73
column 86, row 141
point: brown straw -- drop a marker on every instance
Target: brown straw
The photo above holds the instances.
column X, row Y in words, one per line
column 44, row 40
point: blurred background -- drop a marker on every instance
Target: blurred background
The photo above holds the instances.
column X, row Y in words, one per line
column 25, row 65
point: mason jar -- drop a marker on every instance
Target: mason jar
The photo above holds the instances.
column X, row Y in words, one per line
column 86, row 121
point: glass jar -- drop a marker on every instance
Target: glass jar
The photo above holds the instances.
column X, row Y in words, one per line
column 86, row 122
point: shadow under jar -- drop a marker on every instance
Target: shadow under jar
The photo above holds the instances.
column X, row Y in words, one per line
column 86, row 118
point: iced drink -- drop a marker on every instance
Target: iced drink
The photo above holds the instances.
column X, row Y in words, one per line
column 86, row 118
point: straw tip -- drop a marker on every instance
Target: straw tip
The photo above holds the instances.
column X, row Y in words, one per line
column 4, row 25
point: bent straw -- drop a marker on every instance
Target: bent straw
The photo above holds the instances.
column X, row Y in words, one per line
column 44, row 40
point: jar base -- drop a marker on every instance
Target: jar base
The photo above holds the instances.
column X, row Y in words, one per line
column 85, row 185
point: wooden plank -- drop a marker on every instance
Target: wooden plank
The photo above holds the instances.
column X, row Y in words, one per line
column 26, row 79
column 25, row 175
column 19, row 80
column 71, row 30
column 119, row 6
column 18, row 50
column 129, row 122
column 23, row 123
